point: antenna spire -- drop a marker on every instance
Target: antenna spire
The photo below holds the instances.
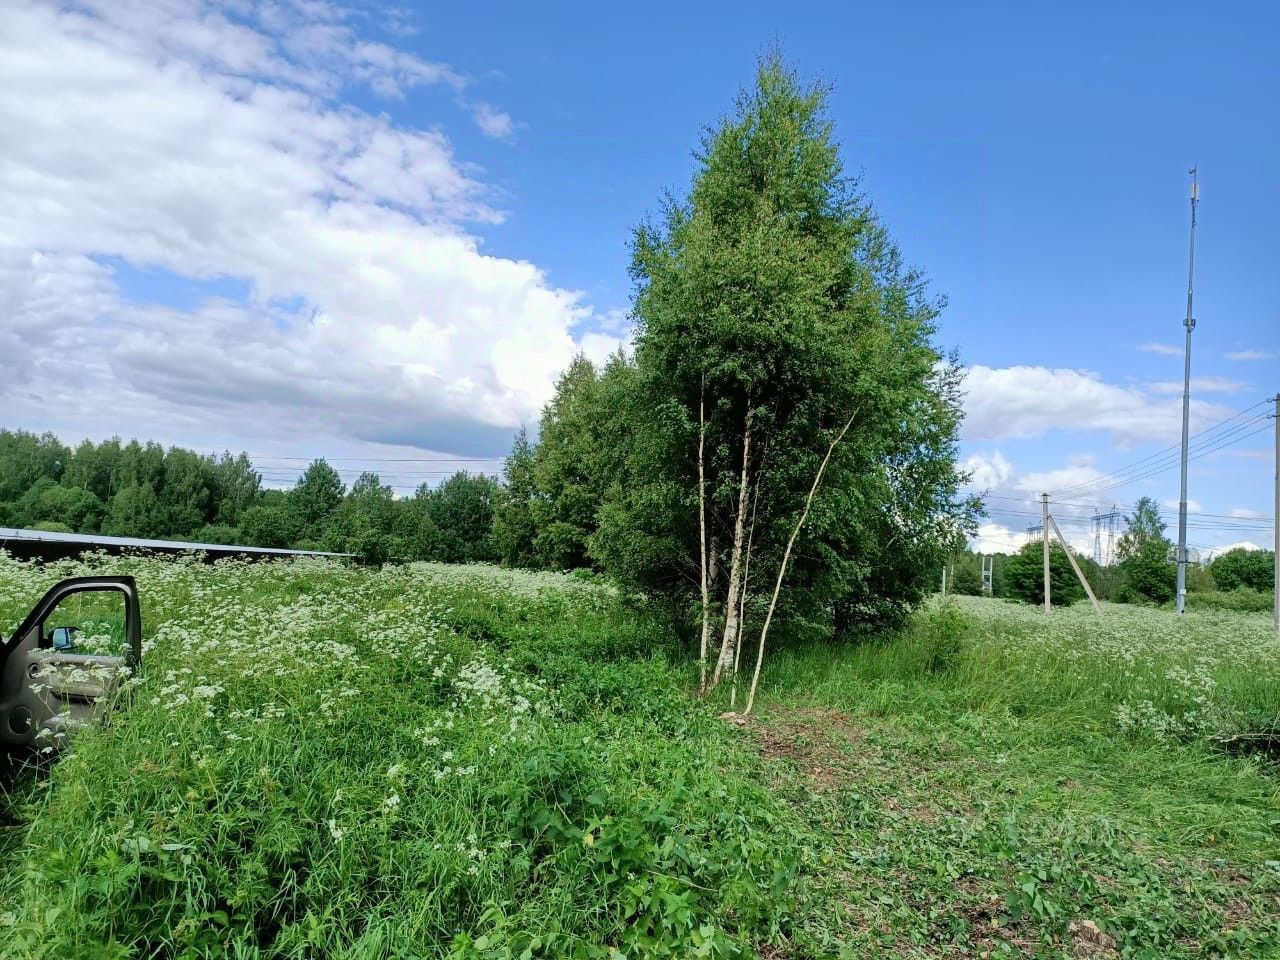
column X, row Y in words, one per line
column 1190, row 324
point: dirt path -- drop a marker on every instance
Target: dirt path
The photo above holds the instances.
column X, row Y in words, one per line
column 917, row 848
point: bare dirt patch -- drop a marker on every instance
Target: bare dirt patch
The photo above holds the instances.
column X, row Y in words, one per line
column 824, row 743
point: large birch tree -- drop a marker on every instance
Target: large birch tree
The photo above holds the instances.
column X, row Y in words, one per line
column 780, row 342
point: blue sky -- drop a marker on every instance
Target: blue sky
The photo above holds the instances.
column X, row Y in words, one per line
column 376, row 233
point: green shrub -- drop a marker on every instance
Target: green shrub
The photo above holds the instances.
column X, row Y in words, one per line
column 1244, row 599
column 967, row 577
column 940, row 635
column 1245, row 568
column 1024, row 576
column 52, row 526
column 1146, row 577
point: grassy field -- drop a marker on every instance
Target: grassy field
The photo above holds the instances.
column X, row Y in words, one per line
column 434, row 761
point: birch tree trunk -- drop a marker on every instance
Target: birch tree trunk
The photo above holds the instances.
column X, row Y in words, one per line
column 702, row 537
column 729, row 640
column 746, row 584
column 782, row 567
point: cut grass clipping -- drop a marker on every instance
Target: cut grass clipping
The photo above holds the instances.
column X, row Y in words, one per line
column 433, row 761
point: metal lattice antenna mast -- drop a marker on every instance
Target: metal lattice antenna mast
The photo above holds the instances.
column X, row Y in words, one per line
column 1190, row 324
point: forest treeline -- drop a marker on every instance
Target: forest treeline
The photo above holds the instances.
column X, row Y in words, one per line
column 139, row 489
column 542, row 513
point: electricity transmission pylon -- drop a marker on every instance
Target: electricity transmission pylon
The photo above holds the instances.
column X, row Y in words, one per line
column 1105, row 556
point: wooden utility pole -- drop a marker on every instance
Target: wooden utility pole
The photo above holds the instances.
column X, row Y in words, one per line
column 1044, row 533
column 1275, row 537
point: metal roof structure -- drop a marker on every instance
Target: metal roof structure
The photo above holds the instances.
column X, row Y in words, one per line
column 51, row 545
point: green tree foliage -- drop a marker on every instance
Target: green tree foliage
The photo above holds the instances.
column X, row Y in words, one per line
column 461, row 510
column 1147, row 573
column 966, row 575
column 172, row 493
column 218, row 533
column 269, row 526
column 315, row 497
column 1255, row 569
column 514, row 527
column 1200, row 578
column 48, row 501
column 417, row 527
column 773, row 300
column 138, row 489
column 566, row 469
column 1023, row 576
column 136, row 511
column 95, row 467
column 26, row 458
column 236, row 487
column 139, row 464
column 186, row 496
column 365, row 522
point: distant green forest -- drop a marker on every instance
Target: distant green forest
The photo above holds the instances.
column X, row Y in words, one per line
column 144, row 490
column 540, row 514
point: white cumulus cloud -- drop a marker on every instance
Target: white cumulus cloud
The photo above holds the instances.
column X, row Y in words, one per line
column 493, row 123
column 987, row 471
column 1198, row 385
column 997, row 538
column 1252, row 355
column 344, row 290
column 1029, row 401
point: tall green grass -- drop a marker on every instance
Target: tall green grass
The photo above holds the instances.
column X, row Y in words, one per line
column 432, row 761
column 1140, row 671
column 1019, row 773
column 413, row 762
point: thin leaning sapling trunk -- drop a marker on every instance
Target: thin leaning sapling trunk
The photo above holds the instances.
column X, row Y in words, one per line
column 746, row 585
column 786, row 556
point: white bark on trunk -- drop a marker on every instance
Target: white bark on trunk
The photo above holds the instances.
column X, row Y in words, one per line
column 742, row 594
column 782, row 567
column 728, row 642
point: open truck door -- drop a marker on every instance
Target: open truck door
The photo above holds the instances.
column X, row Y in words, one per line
column 72, row 652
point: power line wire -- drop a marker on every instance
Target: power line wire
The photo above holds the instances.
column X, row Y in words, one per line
column 1202, row 449
column 273, row 456
column 1107, row 482
column 1159, row 454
